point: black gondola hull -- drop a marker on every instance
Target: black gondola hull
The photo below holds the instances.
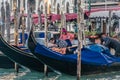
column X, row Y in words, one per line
column 22, row 58
column 5, row 62
column 71, row 68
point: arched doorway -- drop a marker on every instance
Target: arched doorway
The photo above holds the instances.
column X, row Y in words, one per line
column 67, row 7
column 58, row 9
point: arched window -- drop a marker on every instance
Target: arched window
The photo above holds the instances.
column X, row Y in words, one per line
column 54, row 2
column 24, row 3
column 75, row 6
column 67, row 7
column 18, row 3
column 58, row 9
column 41, row 9
column 32, row 4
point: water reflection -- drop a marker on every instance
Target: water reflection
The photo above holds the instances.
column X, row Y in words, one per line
column 26, row 74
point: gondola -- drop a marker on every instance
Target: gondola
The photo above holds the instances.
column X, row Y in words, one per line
column 92, row 61
column 20, row 57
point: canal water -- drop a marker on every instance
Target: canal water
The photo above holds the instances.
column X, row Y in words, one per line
column 26, row 74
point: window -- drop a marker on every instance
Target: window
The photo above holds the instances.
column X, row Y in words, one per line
column 32, row 4
column 58, row 9
column 67, row 7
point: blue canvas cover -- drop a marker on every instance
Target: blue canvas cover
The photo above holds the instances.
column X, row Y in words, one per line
column 89, row 55
column 42, row 35
column 25, row 37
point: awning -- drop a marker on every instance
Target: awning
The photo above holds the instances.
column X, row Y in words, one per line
column 95, row 12
column 51, row 17
column 114, row 8
column 55, row 17
column 35, row 20
column 71, row 16
column 33, row 16
column 42, row 15
column 103, row 14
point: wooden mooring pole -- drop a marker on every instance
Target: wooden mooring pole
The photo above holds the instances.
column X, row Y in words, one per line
column 8, row 21
column 15, row 31
column 46, row 29
column 62, row 23
column 23, row 28
column 28, row 24
column 3, row 19
column 80, row 44
column 39, row 14
column 110, row 20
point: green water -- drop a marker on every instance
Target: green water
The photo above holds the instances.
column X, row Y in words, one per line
column 26, row 74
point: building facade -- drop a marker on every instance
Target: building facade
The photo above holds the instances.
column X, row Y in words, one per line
column 56, row 6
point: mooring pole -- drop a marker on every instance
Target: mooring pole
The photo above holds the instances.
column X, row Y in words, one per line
column 79, row 9
column 62, row 17
column 46, row 29
column 62, row 23
column 15, row 31
column 23, row 28
column 15, row 24
column 3, row 19
column 110, row 20
column 8, row 21
column 39, row 14
column 28, row 16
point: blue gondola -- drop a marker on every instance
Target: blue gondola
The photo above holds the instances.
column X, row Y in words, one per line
column 93, row 61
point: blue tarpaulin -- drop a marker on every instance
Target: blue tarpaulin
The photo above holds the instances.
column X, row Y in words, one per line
column 25, row 37
column 92, row 54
